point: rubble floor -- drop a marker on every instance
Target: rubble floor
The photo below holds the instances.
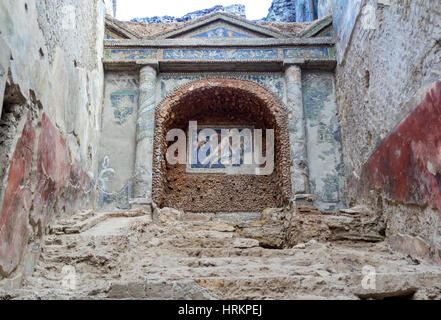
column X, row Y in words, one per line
column 123, row 256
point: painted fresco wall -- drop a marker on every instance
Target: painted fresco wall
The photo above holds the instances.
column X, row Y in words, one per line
column 389, row 146
column 50, row 120
column 324, row 149
column 406, row 166
column 118, row 140
column 406, row 170
column 323, row 131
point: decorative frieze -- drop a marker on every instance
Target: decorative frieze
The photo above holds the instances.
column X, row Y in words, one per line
column 218, row 54
column 274, row 82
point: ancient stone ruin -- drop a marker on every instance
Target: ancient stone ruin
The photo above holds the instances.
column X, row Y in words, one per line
column 341, row 101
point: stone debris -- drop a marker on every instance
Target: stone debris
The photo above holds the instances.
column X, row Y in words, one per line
column 245, row 243
column 167, row 216
column 283, row 227
column 88, row 219
column 160, row 290
column 173, row 258
column 357, row 210
column 380, row 295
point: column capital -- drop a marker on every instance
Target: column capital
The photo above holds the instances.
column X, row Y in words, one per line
column 147, row 64
column 287, row 63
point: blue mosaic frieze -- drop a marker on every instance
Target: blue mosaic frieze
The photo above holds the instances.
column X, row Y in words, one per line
column 274, row 82
column 313, row 53
column 221, row 32
column 131, row 54
column 221, row 54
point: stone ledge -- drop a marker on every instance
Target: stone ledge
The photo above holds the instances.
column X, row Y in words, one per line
column 126, row 43
column 179, row 66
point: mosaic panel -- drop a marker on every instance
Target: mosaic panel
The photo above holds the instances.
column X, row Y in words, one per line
column 314, row 53
column 221, row 32
column 206, row 160
column 123, row 103
column 112, row 35
column 221, row 54
column 274, row 82
column 131, row 54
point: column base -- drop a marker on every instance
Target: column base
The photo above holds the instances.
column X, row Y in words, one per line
column 303, row 199
column 141, row 203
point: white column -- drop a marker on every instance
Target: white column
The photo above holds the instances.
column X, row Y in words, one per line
column 297, row 132
column 144, row 133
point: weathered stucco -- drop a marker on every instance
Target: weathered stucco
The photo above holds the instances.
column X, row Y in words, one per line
column 390, row 120
column 53, row 102
column 118, row 138
column 406, row 168
column 14, row 217
column 326, row 172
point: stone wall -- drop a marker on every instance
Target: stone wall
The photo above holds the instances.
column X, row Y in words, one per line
column 52, row 107
column 388, row 62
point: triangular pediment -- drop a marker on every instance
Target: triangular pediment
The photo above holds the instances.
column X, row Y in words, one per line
column 115, row 30
column 221, row 26
column 319, row 28
column 221, row 29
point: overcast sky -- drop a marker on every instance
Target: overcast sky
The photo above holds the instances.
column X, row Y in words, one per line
column 129, row 9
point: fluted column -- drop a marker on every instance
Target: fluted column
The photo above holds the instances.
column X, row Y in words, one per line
column 144, row 133
column 297, row 131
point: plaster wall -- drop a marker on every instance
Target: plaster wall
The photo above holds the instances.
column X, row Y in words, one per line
column 50, row 165
column 389, row 63
column 324, row 148
column 118, row 141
